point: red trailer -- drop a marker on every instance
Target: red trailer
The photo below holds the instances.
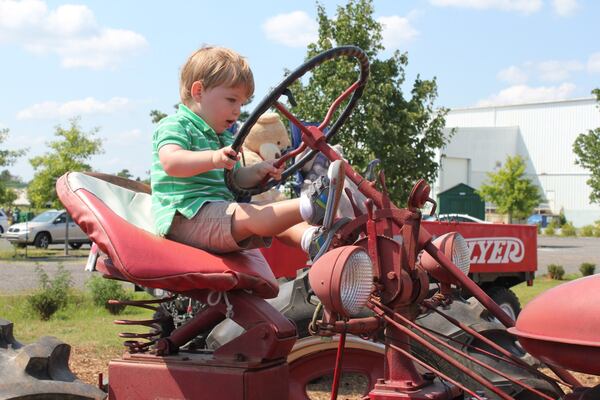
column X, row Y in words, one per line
column 502, row 256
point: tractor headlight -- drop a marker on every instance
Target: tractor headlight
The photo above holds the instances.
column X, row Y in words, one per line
column 342, row 279
column 461, row 256
column 454, row 246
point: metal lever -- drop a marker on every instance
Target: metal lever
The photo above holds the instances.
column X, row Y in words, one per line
column 288, row 93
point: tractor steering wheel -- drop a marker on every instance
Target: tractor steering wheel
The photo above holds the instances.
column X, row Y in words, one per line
column 271, row 100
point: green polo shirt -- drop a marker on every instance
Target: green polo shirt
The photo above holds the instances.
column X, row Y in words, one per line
column 186, row 195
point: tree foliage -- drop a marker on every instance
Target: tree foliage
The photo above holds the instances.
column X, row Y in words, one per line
column 124, row 173
column 70, row 152
column 403, row 133
column 510, row 190
column 587, row 149
column 156, row 116
column 7, row 157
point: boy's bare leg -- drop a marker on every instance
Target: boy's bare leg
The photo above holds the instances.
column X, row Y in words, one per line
column 264, row 220
column 293, row 236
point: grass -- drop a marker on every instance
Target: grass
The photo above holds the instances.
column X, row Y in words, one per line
column 34, row 252
column 81, row 323
column 84, row 323
column 540, row 284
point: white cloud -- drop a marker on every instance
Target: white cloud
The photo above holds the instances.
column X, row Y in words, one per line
column 296, row 29
column 556, row 71
column 521, row 6
column 564, row 8
column 513, row 75
column 89, row 105
column 69, row 31
column 397, row 31
column 593, row 64
column 543, row 71
column 525, row 94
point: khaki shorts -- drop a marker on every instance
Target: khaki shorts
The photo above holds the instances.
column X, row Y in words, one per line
column 210, row 230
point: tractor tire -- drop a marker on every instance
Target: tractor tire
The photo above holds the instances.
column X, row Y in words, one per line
column 39, row 370
column 42, row 240
column 506, row 299
column 474, row 315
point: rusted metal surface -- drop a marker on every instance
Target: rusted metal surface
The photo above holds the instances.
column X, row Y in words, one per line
column 196, row 376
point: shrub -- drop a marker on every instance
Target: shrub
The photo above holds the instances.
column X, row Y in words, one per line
column 556, row 271
column 104, row 290
column 597, row 228
column 587, row 269
column 562, row 219
column 43, row 304
column 554, row 224
column 587, row 230
column 52, row 294
column 549, row 230
column 568, row 230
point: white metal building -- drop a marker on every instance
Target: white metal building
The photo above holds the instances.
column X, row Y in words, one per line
column 542, row 133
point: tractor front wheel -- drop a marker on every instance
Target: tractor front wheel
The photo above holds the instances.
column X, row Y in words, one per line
column 312, row 363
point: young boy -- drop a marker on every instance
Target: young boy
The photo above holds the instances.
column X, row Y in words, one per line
column 191, row 148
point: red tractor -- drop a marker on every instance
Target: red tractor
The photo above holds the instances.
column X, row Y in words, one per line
column 373, row 284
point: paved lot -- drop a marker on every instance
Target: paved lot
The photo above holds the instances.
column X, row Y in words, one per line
column 568, row 252
column 20, row 276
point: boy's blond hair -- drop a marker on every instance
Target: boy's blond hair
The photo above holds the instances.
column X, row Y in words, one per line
column 215, row 66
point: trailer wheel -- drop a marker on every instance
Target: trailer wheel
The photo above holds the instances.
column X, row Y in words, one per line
column 506, row 299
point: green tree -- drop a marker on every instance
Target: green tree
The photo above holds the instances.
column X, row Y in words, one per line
column 70, row 152
column 156, row 116
column 404, row 133
column 10, row 179
column 124, row 173
column 510, row 190
column 7, row 157
column 587, row 149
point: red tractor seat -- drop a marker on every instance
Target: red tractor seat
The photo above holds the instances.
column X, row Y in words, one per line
column 116, row 214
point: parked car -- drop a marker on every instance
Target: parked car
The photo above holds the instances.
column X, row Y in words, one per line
column 3, row 222
column 457, row 218
column 46, row 229
column 543, row 220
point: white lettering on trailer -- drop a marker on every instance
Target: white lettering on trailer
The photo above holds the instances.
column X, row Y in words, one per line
column 496, row 250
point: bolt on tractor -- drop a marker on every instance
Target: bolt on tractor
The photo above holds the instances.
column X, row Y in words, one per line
column 370, row 293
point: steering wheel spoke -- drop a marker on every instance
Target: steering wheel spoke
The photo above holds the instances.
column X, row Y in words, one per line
column 310, row 136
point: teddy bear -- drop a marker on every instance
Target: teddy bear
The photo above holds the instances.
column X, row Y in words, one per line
column 267, row 140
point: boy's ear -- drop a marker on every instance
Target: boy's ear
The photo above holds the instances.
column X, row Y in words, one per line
column 196, row 90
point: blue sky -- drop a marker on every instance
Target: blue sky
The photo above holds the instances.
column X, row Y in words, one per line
column 112, row 62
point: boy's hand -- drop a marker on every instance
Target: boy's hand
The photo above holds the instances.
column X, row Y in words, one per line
column 225, row 158
column 267, row 168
